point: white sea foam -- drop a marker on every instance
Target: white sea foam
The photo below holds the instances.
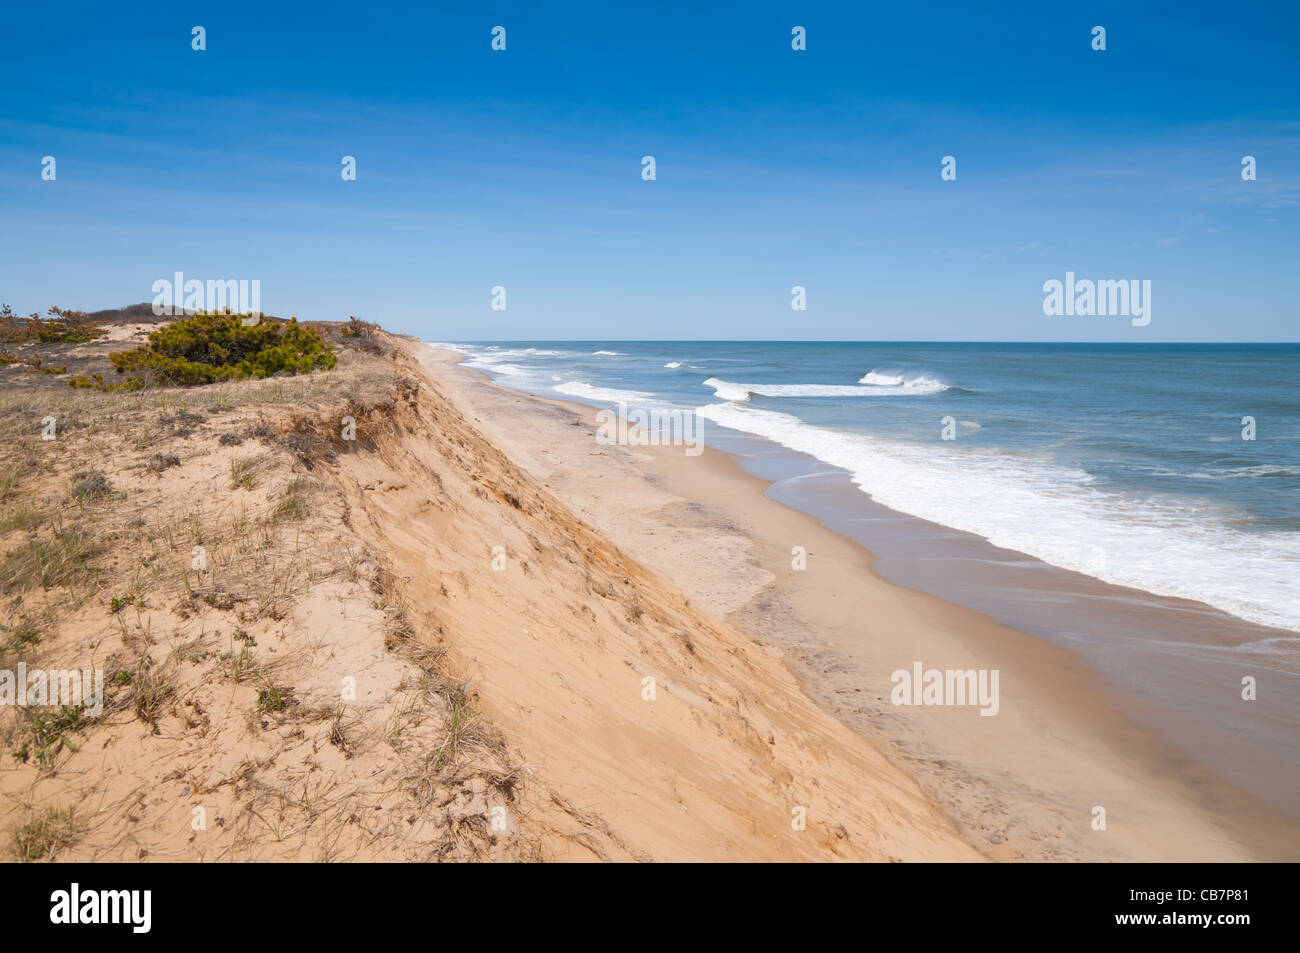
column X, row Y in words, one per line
column 731, row 390
column 887, row 380
column 607, row 353
column 673, row 364
column 728, row 390
column 1244, row 473
column 1173, row 546
column 590, row 392
column 496, row 354
column 921, row 385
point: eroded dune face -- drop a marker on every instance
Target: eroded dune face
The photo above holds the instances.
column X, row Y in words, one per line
column 649, row 730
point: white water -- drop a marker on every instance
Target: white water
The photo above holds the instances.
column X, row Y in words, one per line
column 1172, row 546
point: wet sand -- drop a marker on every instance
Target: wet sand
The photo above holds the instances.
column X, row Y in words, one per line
column 1174, row 666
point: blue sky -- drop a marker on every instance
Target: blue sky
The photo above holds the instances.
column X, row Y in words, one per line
column 775, row 168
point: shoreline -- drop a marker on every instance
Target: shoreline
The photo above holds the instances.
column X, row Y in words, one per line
column 1020, row 785
column 1171, row 665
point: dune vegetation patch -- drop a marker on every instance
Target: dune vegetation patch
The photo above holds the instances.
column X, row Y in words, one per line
column 61, row 327
column 44, row 833
column 209, row 348
column 47, row 562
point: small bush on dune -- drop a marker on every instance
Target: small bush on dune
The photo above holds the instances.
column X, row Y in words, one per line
column 63, row 327
column 208, row 348
column 356, row 328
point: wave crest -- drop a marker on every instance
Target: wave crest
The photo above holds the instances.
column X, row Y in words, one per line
column 591, row 392
column 731, row 390
column 917, row 385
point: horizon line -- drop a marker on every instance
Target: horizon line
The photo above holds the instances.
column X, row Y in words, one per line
column 845, row 341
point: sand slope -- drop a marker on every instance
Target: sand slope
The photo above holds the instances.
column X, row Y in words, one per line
column 558, row 644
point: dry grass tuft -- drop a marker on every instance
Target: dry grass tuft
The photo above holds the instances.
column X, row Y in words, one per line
column 44, row 562
column 45, row 832
column 246, row 472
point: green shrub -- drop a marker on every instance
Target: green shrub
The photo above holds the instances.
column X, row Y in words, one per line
column 208, row 348
column 64, row 327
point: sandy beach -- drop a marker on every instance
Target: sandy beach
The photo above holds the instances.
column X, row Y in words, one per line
column 1021, row 785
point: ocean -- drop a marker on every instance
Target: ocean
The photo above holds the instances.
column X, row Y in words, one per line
column 1124, row 463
